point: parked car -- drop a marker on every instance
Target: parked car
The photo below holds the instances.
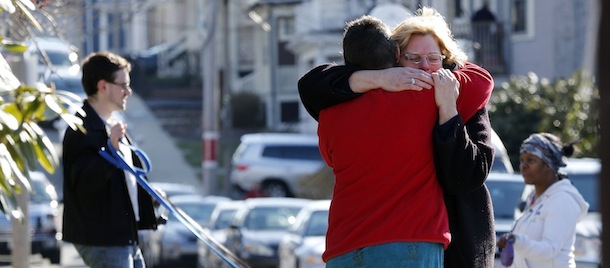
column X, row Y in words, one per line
column 60, row 54
column 171, row 189
column 584, row 173
column 217, row 228
column 303, row 245
column 505, row 190
column 43, row 221
column 501, row 161
column 173, row 244
column 275, row 163
column 258, row 226
column 167, row 190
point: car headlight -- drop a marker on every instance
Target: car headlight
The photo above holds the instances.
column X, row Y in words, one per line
column 257, row 248
column 587, row 249
column 311, row 257
column 313, row 260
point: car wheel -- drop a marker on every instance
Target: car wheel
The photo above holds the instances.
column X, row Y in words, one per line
column 275, row 189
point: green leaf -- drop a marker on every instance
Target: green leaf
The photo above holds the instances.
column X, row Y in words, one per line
column 73, row 121
column 15, row 47
column 53, row 104
column 7, row 5
column 26, row 145
column 9, row 120
column 14, row 152
column 8, row 81
column 45, row 151
column 22, row 5
column 11, row 115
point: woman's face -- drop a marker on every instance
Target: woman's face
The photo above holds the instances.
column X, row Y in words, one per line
column 534, row 170
column 424, row 46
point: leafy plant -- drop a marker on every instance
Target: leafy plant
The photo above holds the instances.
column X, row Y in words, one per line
column 23, row 144
column 567, row 107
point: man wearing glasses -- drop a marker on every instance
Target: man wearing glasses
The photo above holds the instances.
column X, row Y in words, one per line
column 104, row 207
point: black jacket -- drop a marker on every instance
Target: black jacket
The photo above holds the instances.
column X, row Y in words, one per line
column 463, row 157
column 97, row 208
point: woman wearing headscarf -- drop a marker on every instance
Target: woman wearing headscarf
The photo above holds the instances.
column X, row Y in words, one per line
column 544, row 235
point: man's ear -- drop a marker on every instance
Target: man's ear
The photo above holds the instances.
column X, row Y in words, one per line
column 101, row 85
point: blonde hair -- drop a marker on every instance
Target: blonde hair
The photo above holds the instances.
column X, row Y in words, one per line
column 428, row 21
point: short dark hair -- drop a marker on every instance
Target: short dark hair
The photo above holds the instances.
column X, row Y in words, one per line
column 367, row 44
column 101, row 66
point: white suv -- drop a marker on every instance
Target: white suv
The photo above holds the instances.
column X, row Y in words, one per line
column 275, row 163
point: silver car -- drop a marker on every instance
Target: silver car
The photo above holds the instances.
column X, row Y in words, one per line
column 305, row 242
column 505, row 191
column 173, row 244
column 274, row 163
column 217, row 230
column 43, row 220
column 258, row 227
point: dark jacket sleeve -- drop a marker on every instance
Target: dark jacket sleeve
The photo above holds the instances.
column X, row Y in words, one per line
column 463, row 153
column 324, row 86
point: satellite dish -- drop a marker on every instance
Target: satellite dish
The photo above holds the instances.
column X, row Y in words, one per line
column 390, row 13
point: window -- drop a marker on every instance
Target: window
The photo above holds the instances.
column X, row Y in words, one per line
column 522, row 19
column 285, row 27
column 285, row 57
column 289, row 111
column 301, row 152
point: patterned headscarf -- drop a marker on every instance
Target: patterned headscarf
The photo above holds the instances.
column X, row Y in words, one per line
column 545, row 148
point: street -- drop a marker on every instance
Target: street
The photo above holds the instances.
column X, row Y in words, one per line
column 69, row 258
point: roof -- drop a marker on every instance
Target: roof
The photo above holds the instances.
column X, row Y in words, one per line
column 197, row 198
column 275, row 201
column 280, row 138
column 502, row 176
column 583, row 165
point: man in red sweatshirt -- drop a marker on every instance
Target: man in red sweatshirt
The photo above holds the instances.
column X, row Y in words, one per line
column 387, row 207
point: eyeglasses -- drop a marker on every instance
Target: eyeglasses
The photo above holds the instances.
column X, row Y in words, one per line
column 432, row 58
column 124, row 86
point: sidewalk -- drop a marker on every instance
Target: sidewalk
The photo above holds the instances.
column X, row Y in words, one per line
column 168, row 164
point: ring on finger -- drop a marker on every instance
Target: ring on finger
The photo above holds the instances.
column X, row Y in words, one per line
column 412, row 81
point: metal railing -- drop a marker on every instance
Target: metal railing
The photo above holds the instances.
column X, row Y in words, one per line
column 487, row 39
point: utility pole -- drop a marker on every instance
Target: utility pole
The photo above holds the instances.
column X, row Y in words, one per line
column 210, row 95
column 26, row 69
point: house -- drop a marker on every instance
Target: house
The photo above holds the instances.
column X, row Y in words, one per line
column 264, row 46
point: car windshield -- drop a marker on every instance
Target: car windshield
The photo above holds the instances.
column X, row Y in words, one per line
column 69, row 84
column 224, row 219
column 271, row 218
column 318, row 224
column 39, row 192
column 56, row 58
column 506, row 196
column 499, row 165
column 198, row 211
column 587, row 185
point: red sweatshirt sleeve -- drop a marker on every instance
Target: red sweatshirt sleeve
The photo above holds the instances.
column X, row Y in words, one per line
column 476, row 86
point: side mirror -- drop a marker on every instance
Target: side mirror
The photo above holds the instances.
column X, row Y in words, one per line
column 521, row 206
column 161, row 220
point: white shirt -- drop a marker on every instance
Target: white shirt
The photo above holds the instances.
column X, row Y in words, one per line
column 130, row 179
